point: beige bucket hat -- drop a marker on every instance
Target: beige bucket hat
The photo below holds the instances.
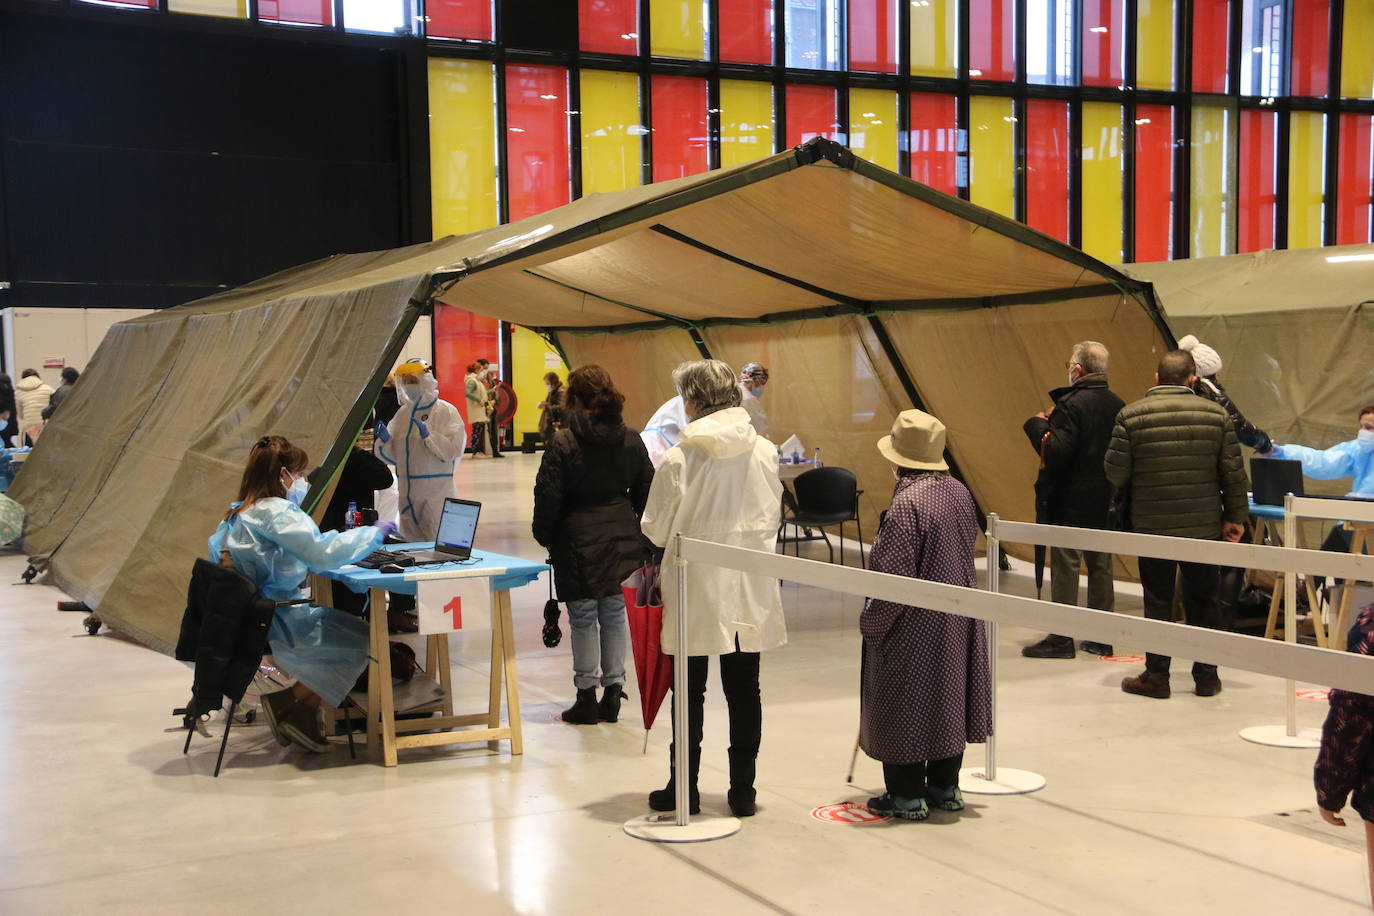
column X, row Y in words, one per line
column 917, row 441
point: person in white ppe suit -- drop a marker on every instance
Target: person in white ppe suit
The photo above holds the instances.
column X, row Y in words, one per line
column 752, row 379
column 720, row 482
column 424, row 440
column 664, row 429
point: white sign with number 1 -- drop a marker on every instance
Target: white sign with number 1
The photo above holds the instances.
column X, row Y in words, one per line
column 446, row 605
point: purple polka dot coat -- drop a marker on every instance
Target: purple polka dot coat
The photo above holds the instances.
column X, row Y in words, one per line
column 925, row 673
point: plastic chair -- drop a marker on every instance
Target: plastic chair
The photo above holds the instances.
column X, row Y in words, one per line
column 825, row 496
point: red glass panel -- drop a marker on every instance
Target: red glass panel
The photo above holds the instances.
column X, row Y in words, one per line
column 461, row 338
column 680, row 135
column 933, row 140
column 608, row 26
column 536, row 139
column 141, row 4
column 746, row 31
column 1211, row 29
column 306, row 12
column 1355, row 188
column 873, row 35
column 810, row 113
column 1258, row 157
column 457, row 19
column 1103, row 24
column 1311, row 70
column 1154, row 182
column 1047, row 167
column 992, row 39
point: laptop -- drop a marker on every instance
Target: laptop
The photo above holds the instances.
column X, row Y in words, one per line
column 1273, row 478
column 457, row 530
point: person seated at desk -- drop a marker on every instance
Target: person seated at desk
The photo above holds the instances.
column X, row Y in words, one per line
column 273, row 542
column 1354, row 459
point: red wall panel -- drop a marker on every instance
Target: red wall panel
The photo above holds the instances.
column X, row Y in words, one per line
column 810, row 113
column 873, row 35
column 461, row 338
column 992, row 39
column 1103, row 25
column 1356, row 179
column 1154, row 182
column 933, row 140
column 1047, row 167
column 1211, row 29
column 536, row 139
column 458, row 19
column 608, row 26
column 1311, row 68
column 680, row 135
column 1258, row 177
column 746, row 31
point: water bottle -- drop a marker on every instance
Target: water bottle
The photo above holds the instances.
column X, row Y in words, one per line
column 816, row 461
column 352, row 517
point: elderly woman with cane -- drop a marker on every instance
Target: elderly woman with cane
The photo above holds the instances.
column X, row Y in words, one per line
column 925, row 691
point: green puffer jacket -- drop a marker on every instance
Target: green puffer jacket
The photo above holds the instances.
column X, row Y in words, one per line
column 1179, row 454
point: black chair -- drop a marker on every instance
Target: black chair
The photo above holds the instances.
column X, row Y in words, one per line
column 825, row 496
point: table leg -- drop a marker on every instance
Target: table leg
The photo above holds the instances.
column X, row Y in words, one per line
column 386, row 700
column 377, row 644
column 497, row 661
column 1314, row 608
column 445, row 672
column 517, row 741
column 1275, row 600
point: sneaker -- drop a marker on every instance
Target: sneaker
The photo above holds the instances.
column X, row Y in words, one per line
column 1095, row 648
column 302, row 726
column 1209, row 687
column 1147, row 684
column 950, row 799
column 902, row 809
column 1050, row 647
column 275, row 707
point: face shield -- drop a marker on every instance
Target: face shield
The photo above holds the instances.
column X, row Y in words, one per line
column 415, row 382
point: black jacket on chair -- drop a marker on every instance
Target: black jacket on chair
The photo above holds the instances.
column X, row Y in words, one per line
column 591, row 489
column 1072, row 487
column 224, row 631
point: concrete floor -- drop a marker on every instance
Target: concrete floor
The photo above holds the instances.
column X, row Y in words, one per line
column 1150, row 807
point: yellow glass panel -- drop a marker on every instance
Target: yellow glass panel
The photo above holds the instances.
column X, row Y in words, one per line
column 1212, row 196
column 1101, row 171
column 934, row 37
column 873, row 126
column 677, row 28
column 531, row 357
column 233, row 9
column 746, row 121
column 1154, row 44
column 462, row 146
column 1357, row 50
column 611, row 132
column 1306, row 167
column 992, row 153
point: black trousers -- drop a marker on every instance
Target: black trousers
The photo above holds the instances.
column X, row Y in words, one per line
column 908, row 780
column 481, row 431
column 1200, row 605
column 739, row 678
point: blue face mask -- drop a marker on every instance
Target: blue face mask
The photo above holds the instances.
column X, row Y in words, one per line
column 296, row 492
column 1365, row 440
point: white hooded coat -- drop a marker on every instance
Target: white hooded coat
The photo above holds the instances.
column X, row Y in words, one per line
column 31, row 395
column 424, row 466
column 720, row 483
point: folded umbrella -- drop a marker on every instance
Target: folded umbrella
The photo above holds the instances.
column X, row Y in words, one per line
column 653, row 669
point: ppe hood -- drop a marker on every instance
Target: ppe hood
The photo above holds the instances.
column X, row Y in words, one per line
column 723, row 434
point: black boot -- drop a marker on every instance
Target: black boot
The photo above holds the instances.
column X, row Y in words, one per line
column 582, row 712
column 741, row 795
column 665, row 799
column 608, row 710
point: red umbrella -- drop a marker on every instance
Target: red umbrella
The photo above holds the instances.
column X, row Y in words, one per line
column 653, row 669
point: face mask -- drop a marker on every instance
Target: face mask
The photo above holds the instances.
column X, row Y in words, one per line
column 1365, row 440
column 296, row 492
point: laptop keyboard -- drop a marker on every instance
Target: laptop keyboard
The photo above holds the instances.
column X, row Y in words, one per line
column 379, row 558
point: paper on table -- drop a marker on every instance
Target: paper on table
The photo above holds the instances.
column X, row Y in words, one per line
column 792, row 446
column 446, row 605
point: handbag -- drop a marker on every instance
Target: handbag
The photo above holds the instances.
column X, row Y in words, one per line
column 1119, row 513
column 551, row 633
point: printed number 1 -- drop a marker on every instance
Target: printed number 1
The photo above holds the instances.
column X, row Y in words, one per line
column 455, row 607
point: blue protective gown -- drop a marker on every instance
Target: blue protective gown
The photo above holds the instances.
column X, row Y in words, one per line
column 277, row 545
column 1344, row 460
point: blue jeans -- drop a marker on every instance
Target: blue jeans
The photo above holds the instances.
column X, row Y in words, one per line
column 600, row 633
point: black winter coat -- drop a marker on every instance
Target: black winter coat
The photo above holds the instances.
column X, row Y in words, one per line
column 1072, row 488
column 1248, row 433
column 588, row 497
column 224, row 631
column 362, row 476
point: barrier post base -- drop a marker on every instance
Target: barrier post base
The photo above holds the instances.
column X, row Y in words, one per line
column 663, row 828
column 1008, row 782
column 1277, row 736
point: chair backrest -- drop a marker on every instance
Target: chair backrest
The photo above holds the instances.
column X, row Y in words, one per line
column 224, row 631
column 826, row 490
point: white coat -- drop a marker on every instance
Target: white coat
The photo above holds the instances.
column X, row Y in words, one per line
column 664, row 429
column 751, row 402
column 31, row 395
column 720, row 483
column 424, row 466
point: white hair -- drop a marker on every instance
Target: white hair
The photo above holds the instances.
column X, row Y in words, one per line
column 706, row 386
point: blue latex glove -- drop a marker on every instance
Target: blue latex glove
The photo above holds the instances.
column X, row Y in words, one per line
column 424, row 430
column 382, row 433
column 387, row 528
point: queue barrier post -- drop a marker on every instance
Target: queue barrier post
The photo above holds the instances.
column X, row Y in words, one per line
column 990, row 780
column 679, row 827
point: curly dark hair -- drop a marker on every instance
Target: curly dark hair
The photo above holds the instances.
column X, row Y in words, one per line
column 591, row 388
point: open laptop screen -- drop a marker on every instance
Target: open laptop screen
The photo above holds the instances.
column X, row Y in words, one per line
column 458, row 527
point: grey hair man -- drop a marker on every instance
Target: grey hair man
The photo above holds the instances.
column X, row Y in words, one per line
column 1072, row 489
column 706, row 386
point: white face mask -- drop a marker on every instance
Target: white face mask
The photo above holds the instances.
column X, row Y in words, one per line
column 1365, row 440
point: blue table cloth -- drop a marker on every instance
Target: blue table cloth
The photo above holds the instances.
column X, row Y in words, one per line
column 516, row 572
column 1260, row 511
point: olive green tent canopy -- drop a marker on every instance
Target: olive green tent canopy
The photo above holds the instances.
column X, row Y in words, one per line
column 863, row 292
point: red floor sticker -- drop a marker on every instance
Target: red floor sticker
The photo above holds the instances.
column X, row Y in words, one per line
column 1123, row 659
column 1317, row 695
column 846, row 813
